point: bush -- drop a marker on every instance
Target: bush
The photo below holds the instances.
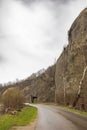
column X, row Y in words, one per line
column 13, row 99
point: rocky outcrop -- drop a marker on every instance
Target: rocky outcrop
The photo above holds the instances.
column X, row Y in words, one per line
column 71, row 67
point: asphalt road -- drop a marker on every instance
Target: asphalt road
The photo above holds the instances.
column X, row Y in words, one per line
column 54, row 118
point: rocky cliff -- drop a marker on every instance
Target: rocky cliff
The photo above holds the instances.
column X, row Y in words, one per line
column 71, row 67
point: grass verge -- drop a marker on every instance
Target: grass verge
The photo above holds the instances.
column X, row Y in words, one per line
column 82, row 113
column 26, row 116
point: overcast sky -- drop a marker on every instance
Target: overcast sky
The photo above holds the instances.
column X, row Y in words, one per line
column 33, row 33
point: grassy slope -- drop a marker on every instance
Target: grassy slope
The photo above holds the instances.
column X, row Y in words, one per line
column 24, row 117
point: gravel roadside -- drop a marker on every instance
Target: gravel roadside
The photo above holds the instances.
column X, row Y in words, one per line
column 28, row 127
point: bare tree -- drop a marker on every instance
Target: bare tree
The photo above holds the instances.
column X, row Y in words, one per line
column 13, row 98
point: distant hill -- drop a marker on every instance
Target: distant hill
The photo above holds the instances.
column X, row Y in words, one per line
column 40, row 85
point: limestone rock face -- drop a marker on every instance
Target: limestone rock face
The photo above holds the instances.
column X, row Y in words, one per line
column 78, row 30
column 71, row 72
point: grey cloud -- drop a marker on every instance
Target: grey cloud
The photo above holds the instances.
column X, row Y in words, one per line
column 29, row 55
column 57, row 2
column 30, row 1
column 2, row 59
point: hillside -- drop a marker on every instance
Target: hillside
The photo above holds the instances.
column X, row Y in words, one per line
column 40, row 85
column 71, row 67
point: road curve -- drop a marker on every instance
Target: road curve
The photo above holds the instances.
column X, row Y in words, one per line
column 54, row 118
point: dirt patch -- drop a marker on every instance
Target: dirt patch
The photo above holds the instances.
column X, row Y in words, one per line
column 28, row 127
